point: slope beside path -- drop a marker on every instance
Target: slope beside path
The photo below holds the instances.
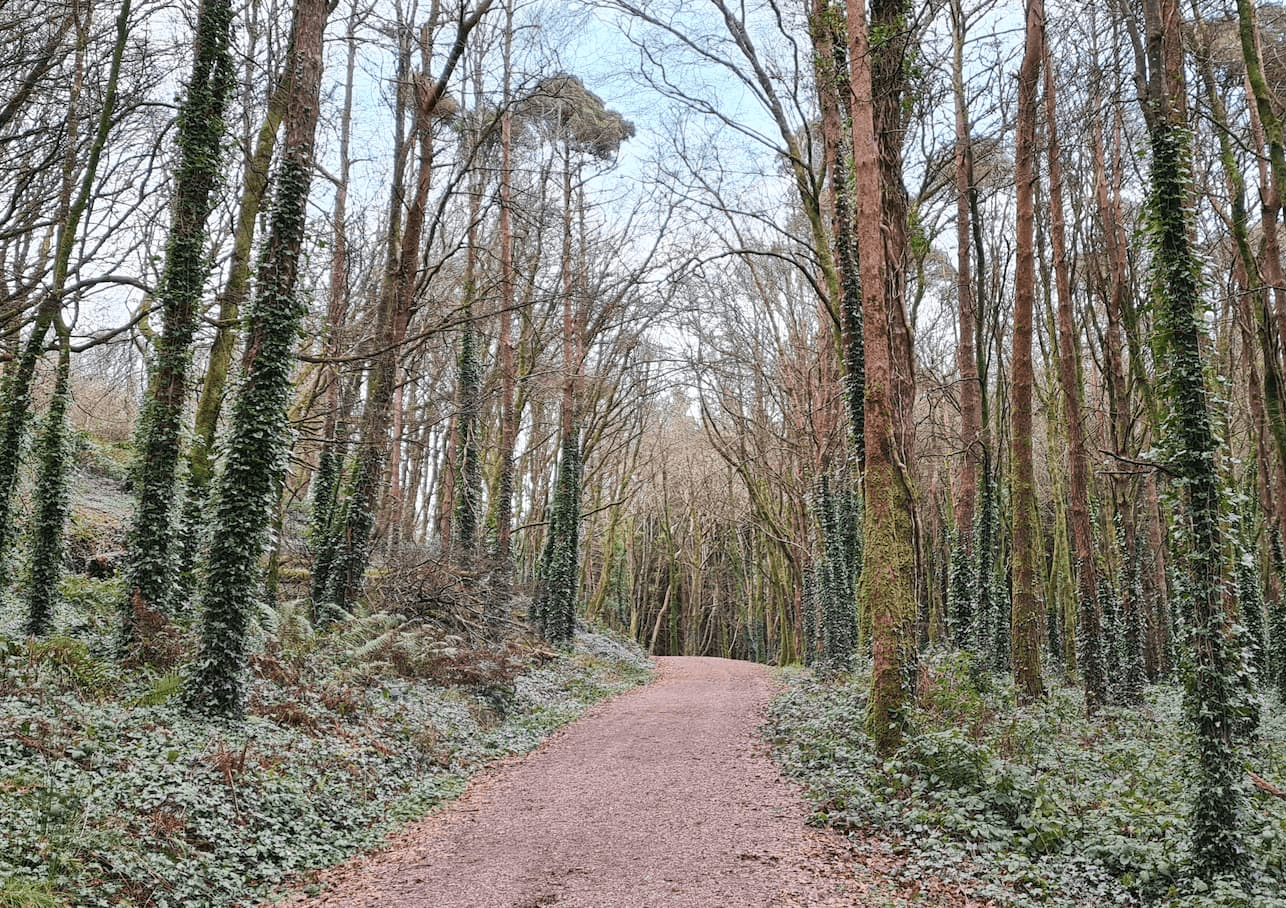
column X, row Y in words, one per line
column 661, row 797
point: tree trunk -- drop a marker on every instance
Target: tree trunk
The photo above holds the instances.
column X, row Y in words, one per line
column 966, row 355
column 1090, row 658
column 508, row 365
column 150, row 571
column 1026, row 531
column 258, row 430
column 888, row 566
column 1192, row 454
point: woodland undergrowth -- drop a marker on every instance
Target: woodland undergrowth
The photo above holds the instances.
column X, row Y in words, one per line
column 111, row 795
column 1026, row 806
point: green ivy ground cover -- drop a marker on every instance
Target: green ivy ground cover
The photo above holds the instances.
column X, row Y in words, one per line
column 109, row 796
column 1032, row 806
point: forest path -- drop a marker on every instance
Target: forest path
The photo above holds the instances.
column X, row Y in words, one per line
column 664, row 796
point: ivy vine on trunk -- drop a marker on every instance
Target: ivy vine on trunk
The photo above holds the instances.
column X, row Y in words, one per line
column 1191, row 454
column 149, row 571
column 257, row 436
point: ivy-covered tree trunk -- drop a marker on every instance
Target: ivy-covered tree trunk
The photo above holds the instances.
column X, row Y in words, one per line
column 228, row 305
column 149, row 572
column 829, row 33
column 554, row 607
column 53, row 500
column 504, row 497
column 837, row 514
column 1191, row 450
column 325, row 486
column 963, row 591
column 257, row 436
column 467, row 523
column 73, row 207
column 1217, row 836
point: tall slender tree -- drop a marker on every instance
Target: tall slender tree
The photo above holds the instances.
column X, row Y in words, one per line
column 888, row 565
column 256, row 445
column 580, row 125
column 1026, row 532
column 504, row 497
column 1192, row 452
column 963, row 581
column 149, row 572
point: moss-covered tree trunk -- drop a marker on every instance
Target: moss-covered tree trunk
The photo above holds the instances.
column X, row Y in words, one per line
column 257, row 436
column 888, row 564
column 150, row 570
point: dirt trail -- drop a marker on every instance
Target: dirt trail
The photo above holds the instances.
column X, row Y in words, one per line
column 661, row 797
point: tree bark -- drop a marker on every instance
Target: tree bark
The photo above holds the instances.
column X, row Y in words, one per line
column 1025, row 637
column 888, row 567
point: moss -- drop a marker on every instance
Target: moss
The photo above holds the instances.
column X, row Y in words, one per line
column 888, row 572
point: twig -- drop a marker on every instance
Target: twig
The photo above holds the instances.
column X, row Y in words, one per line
column 1264, row 785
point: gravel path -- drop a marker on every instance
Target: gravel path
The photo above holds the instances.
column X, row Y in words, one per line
column 661, row 797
